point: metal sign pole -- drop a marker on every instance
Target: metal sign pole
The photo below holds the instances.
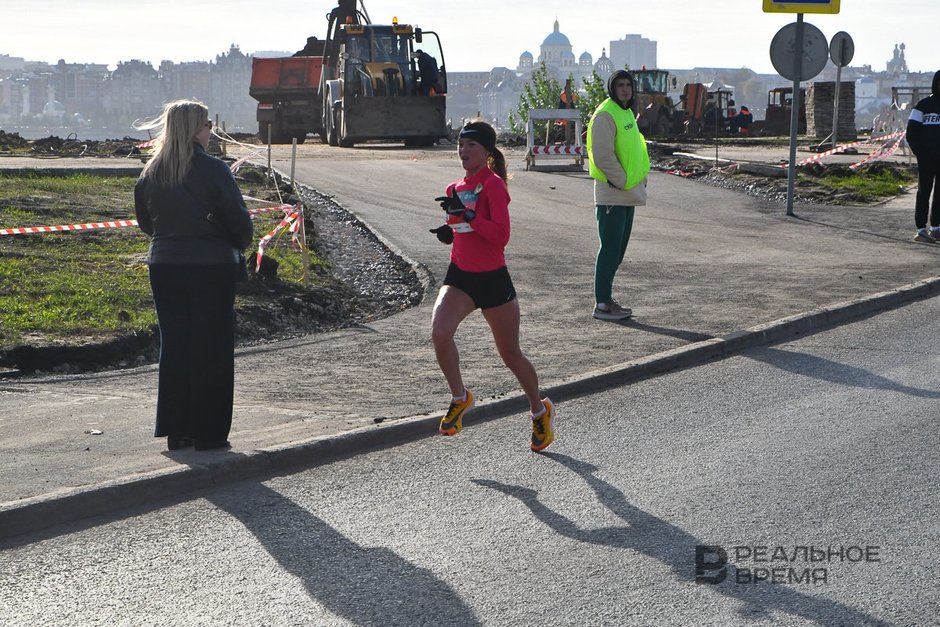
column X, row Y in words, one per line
column 835, row 103
column 841, row 51
column 795, row 111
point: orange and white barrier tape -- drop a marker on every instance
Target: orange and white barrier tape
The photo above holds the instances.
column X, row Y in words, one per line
column 822, row 155
column 884, row 152
column 843, row 147
column 292, row 220
column 290, row 211
column 116, row 224
column 284, row 208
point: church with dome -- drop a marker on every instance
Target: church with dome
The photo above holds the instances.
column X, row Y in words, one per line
column 500, row 94
column 557, row 53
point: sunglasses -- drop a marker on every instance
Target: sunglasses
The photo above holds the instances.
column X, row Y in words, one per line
column 208, row 123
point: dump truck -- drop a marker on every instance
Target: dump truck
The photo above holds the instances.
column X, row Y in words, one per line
column 288, row 95
column 656, row 109
column 362, row 82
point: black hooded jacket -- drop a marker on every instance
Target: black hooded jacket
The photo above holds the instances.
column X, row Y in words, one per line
column 923, row 127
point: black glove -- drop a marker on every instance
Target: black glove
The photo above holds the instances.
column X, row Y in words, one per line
column 451, row 204
column 444, row 233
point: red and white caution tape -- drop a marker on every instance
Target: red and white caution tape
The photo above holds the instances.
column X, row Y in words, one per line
column 69, row 227
column 822, row 155
column 883, row 153
column 292, row 220
column 115, row 224
column 843, row 147
column 283, row 208
column 289, row 210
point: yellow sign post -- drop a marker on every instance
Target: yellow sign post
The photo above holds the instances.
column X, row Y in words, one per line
column 801, row 6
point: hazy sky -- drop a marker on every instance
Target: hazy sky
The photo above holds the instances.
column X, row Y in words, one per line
column 475, row 35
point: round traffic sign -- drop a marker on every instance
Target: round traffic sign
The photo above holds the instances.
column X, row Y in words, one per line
column 841, row 49
column 783, row 50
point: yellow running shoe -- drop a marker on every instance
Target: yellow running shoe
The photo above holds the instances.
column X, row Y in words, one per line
column 543, row 428
column 452, row 422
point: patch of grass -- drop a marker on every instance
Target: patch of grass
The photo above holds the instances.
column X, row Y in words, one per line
column 56, row 286
column 867, row 186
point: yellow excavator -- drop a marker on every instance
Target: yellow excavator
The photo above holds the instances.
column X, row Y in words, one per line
column 363, row 82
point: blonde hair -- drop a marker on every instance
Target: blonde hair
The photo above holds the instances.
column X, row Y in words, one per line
column 173, row 148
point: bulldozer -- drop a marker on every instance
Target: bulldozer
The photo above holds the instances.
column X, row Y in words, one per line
column 656, row 109
column 363, row 82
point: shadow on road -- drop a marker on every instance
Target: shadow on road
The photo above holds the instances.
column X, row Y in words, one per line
column 364, row 585
column 841, row 227
column 832, row 371
column 681, row 334
column 675, row 548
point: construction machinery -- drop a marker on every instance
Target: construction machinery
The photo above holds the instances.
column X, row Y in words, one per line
column 288, row 94
column 363, row 82
column 656, row 109
column 777, row 118
column 705, row 109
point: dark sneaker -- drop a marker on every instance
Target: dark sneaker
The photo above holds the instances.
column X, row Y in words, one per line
column 611, row 311
column 452, row 422
column 543, row 427
column 925, row 238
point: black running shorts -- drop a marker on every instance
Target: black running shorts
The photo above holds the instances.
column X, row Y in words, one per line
column 486, row 289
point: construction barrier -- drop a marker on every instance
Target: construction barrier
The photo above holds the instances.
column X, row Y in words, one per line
column 575, row 150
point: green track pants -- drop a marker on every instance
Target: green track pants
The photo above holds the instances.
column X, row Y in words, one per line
column 614, row 224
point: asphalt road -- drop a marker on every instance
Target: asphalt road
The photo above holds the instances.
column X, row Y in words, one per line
column 702, row 263
column 829, row 442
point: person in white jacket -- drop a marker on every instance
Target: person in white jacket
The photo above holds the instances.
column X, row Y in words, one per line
column 619, row 163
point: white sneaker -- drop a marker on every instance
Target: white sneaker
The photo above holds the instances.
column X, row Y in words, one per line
column 611, row 311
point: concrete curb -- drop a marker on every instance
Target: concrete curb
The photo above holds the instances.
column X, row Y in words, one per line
column 422, row 273
column 216, row 469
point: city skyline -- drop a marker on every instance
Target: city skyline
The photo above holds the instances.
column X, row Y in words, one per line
column 100, row 31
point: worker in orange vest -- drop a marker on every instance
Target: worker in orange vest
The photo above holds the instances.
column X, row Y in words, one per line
column 567, row 100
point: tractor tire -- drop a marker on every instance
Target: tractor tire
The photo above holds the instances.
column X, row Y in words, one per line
column 331, row 137
column 663, row 125
column 278, row 134
column 343, row 141
column 420, row 142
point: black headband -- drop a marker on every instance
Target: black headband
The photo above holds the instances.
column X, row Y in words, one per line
column 483, row 136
